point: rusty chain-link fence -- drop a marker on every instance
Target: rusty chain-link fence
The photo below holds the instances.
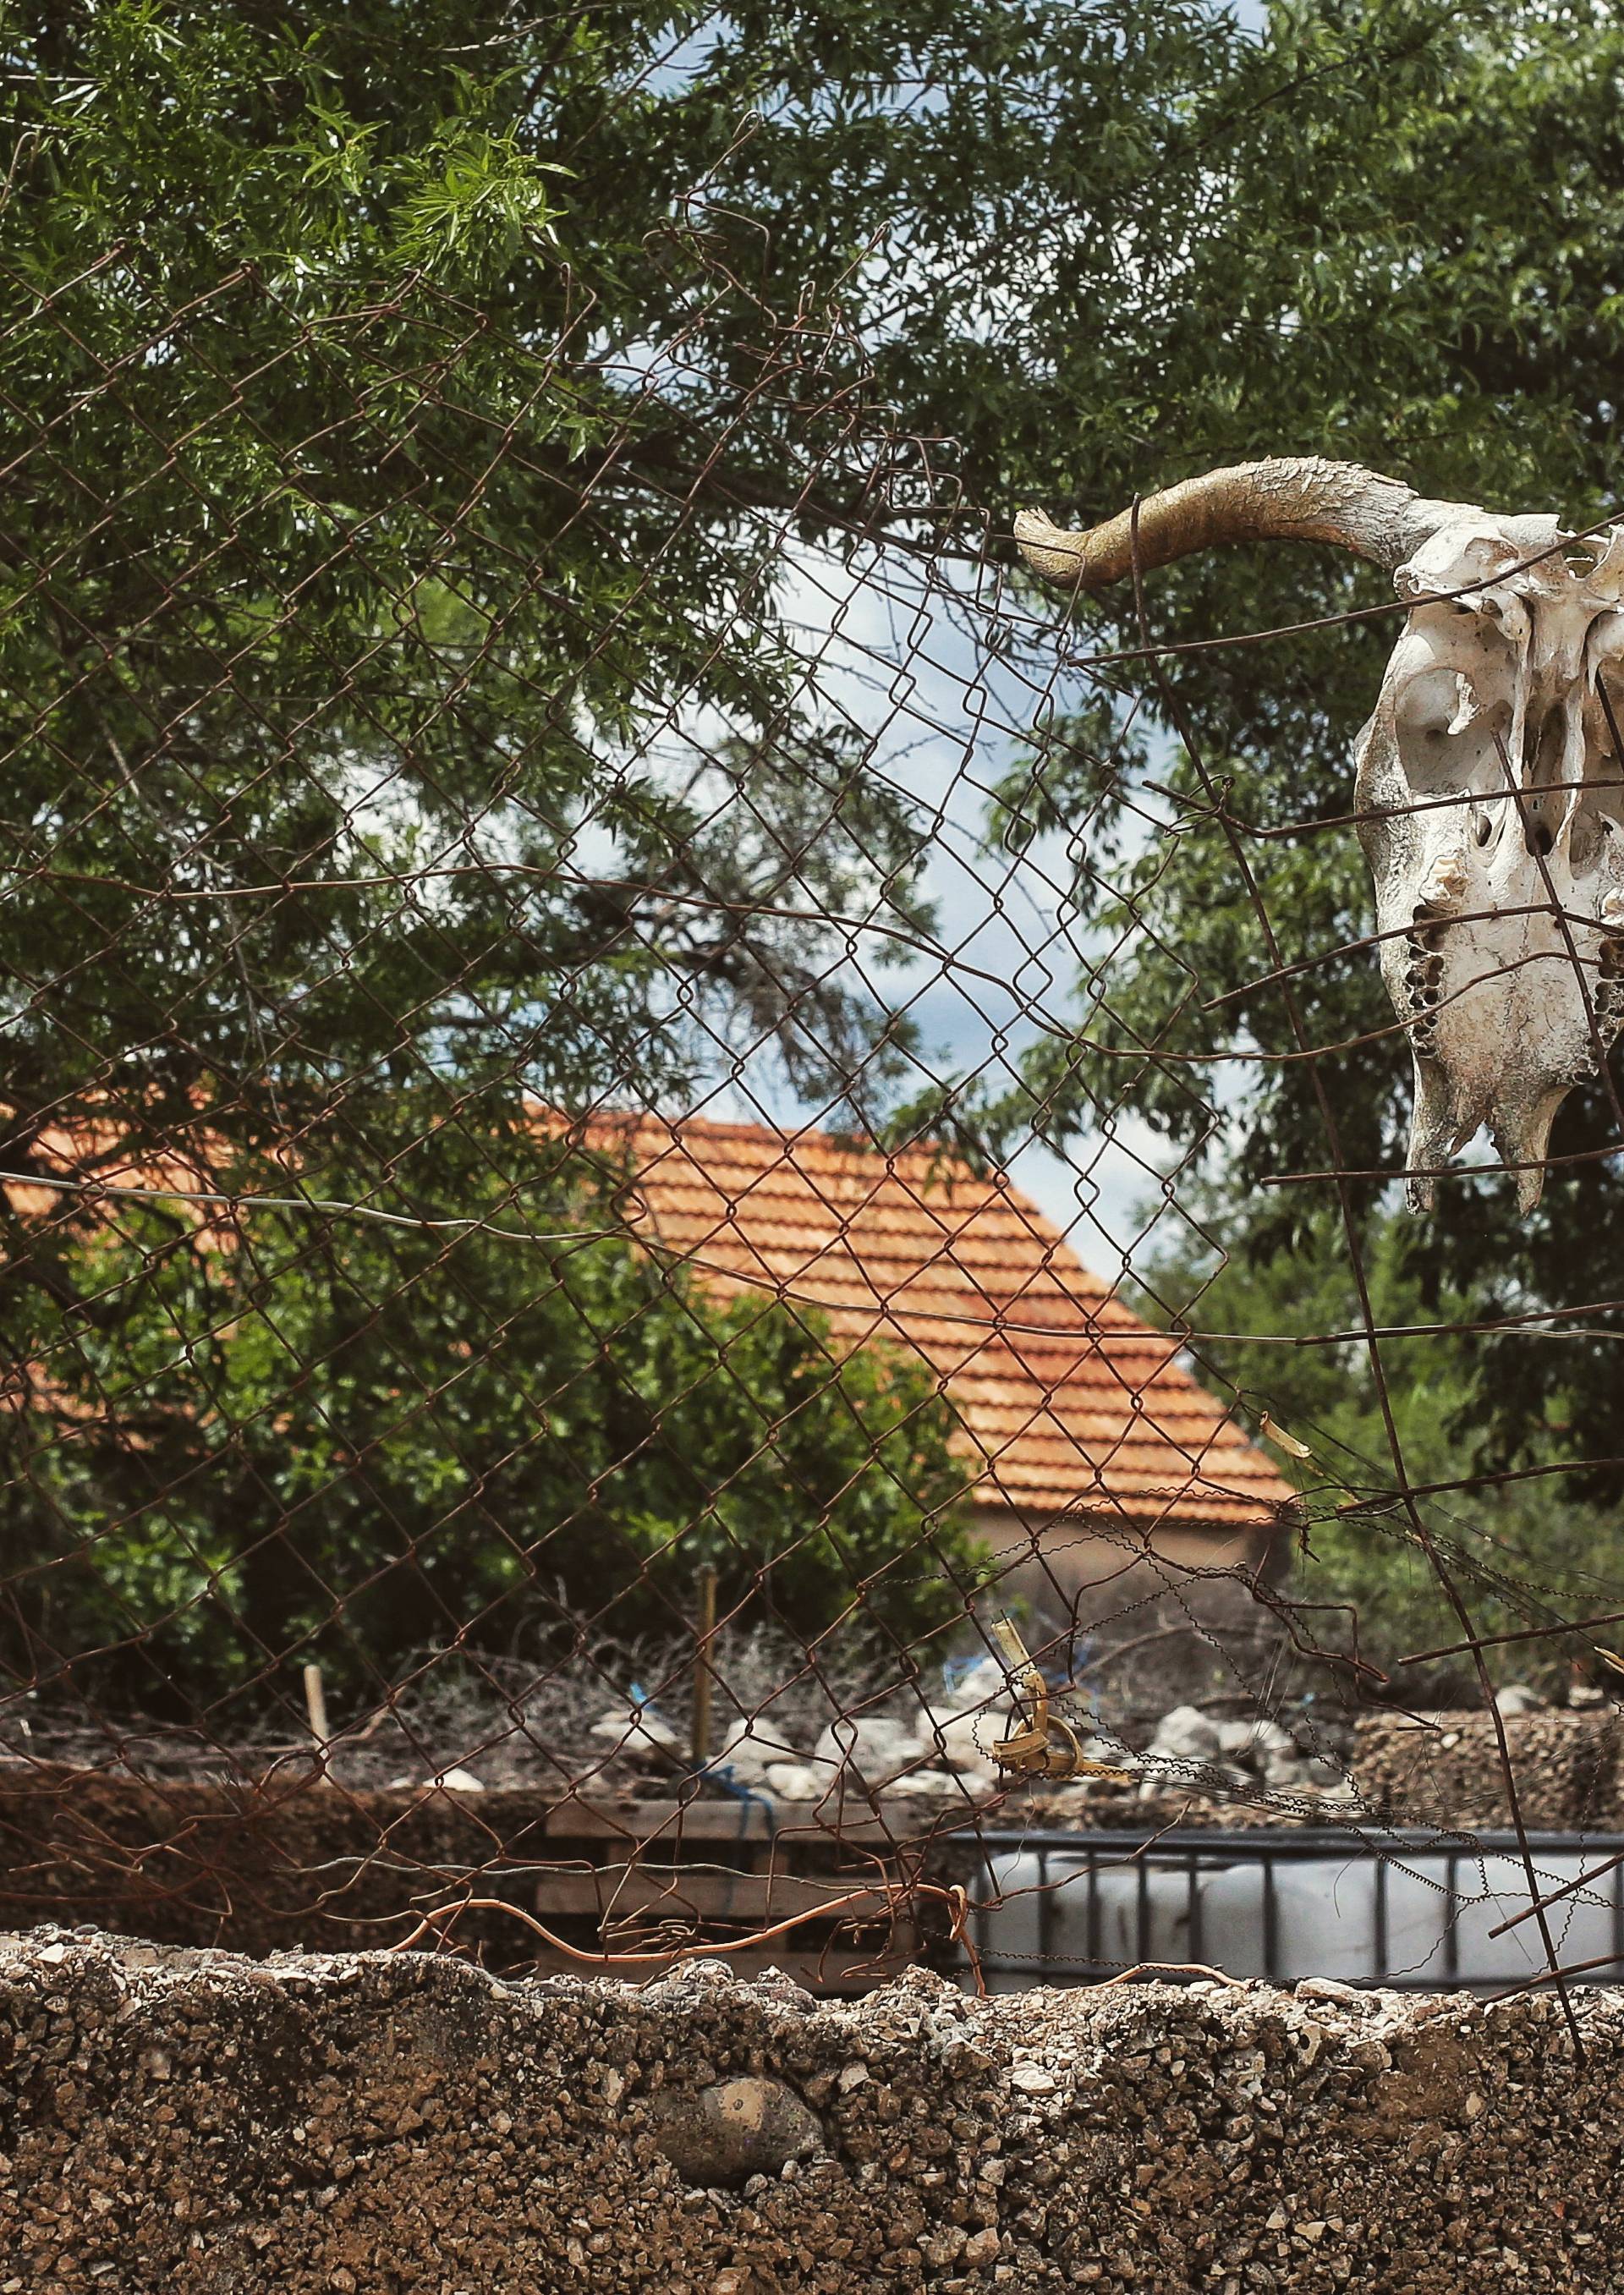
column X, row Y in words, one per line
column 619, row 1331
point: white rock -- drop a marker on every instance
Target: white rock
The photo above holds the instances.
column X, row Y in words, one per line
column 1328, row 1988
column 1342, row 1794
column 1255, row 1740
column 796, row 1781
column 1518, row 1698
column 877, row 1747
column 1215, row 1778
column 984, row 1684
column 1302, row 1765
column 1186, row 1735
column 962, row 1786
column 448, row 1781
column 1158, row 1774
column 639, row 1728
column 749, row 1751
column 959, row 1740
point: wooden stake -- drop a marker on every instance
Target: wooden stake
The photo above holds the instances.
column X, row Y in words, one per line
column 700, row 1742
column 315, row 1706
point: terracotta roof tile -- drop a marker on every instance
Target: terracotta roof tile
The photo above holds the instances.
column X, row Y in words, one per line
column 1068, row 1401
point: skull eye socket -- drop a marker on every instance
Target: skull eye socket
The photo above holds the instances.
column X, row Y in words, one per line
column 1482, row 830
column 1428, row 703
column 1444, row 721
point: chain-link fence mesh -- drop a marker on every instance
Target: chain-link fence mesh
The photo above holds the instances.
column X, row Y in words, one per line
column 610, row 1350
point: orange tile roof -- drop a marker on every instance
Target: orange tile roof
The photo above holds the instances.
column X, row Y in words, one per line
column 1069, row 1403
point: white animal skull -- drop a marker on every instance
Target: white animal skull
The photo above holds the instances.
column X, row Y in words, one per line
column 1489, row 778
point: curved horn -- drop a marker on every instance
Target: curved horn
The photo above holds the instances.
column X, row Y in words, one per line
column 1301, row 498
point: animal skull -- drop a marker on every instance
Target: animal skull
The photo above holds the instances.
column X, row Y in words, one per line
column 1489, row 778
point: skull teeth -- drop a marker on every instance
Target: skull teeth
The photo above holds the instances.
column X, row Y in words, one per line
column 1423, row 978
column 1608, row 1000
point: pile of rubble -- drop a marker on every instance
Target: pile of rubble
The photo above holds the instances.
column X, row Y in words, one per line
column 1448, row 1768
column 1188, row 1765
column 1190, row 1750
column 943, row 1747
column 855, row 1735
column 946, row 1748
column 780, row 1735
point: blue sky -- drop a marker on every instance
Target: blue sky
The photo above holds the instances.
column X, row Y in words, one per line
column 923, row 671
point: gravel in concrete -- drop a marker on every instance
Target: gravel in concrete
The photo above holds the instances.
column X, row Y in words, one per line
column 181, row 2122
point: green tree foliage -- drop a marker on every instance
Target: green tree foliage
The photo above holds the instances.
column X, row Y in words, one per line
column 596, row 1427
column 403, row 733
column 1522, row 1553
column 408, row 406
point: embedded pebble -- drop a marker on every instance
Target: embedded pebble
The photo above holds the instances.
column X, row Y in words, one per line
column 733, row 2130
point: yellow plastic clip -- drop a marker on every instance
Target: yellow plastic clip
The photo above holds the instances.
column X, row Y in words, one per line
column 1044, row 1744
column 1611, row 1664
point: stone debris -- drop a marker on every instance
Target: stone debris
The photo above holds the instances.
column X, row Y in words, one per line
column 795, row 1781
column 190, row 2123
column 1518, row 1698
column 1193, row 1752
column 638, row 1728
column 1186, row 1735
column 944, row 1748
column 463, row 1781
column 749, row 1751
column 879, row 1748
column 960, row 1740
column 1416, row 1768
column 1446, row 1769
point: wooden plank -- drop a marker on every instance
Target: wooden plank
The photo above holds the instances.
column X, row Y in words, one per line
column 685, row 1890
column 738, row 1820
column 649, row 1820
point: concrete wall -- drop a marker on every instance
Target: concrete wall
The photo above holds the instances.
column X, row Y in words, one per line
column 186, row 2123
column 1077, row 1561
column 1086, row 1582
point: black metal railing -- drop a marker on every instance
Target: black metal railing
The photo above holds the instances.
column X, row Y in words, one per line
column 1416, row 1910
